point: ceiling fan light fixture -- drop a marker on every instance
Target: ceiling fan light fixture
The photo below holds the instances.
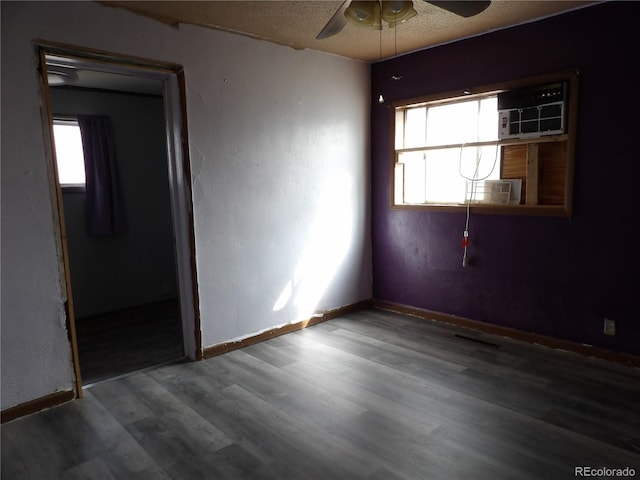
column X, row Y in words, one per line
column 364, row 14
column 395, row 12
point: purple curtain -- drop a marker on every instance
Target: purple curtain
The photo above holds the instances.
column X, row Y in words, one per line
column 104, row 207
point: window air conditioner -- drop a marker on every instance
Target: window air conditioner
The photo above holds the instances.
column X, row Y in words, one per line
column 532, row 111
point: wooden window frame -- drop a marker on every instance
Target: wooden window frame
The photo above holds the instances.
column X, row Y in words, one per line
column 566, row 141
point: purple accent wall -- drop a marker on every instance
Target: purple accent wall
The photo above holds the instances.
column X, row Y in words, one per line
column 552, row 276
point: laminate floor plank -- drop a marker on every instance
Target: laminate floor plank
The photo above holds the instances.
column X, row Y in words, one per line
column 278, row 435
column 370, row 395
column 536, row 380
column 93, row 469
column 314, row 409
column 274, row 385
column 458, row 411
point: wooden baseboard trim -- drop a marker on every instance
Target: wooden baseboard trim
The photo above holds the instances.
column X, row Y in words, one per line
column 225, row 347
column 33, row 406
column 354, row 307
column 586, row 350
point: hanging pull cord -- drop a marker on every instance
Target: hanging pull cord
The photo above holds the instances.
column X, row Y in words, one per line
column 473, row 180
column 478, row 159
column 465, row 244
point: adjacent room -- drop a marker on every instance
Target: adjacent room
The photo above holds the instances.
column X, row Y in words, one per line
column 123, row 274
column 381, row 240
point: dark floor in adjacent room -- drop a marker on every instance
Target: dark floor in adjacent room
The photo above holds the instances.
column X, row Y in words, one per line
column 369, row 395
column 116, row 343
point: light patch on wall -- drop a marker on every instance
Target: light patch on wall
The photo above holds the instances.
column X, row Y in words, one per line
column 327, row 245
column 284, row 297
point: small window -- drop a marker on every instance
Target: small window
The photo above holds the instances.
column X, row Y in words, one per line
column 69, row 153
column 444, row 149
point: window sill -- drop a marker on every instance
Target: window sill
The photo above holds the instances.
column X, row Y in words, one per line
column 73, row 188
column 493, row 209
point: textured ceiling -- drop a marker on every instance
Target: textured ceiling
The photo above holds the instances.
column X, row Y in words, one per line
column 297, row 23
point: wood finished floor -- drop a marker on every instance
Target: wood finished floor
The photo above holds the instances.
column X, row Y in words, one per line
column 116, row 343
column 371, row 395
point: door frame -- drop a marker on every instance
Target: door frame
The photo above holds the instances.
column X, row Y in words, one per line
column 172, row 76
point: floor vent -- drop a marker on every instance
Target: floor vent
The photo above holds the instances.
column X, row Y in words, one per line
column 477, row 340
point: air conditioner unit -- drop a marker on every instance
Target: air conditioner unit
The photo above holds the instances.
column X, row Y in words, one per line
column 494, row 191
column 532, row 111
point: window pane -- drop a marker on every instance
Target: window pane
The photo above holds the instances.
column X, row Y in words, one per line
column 488, row 120
column 399, row 128
column 398, row 192
column 440, row 176
column 69, row 154
column 414, row 127
column 479, row 163
column 444, row 183
column 414, row 176
column 463, row 122
column 454, row 123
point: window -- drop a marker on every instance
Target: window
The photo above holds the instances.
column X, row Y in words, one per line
column 443, row 149
column 69, row 153
column 501, row 148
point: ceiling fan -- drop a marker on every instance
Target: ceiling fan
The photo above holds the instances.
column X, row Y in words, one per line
column 371, row 13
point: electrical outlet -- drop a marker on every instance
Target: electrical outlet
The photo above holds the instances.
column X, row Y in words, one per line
column 609, row 327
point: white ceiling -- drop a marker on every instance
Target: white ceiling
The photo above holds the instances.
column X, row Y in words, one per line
column 297, row 23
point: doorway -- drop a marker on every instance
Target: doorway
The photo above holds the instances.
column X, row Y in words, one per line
column 131, row 301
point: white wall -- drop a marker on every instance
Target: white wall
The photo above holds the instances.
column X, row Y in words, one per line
column 280, row 170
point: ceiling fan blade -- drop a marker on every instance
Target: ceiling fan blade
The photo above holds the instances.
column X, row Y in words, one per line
column 464, row 8
column 335, row 23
